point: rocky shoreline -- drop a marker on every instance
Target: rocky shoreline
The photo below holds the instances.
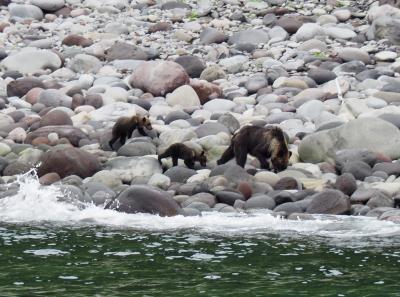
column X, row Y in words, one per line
column 325, row 72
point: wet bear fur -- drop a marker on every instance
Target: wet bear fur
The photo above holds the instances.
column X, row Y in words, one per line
column 180, row 151
column 267, row 144
column 125, row 126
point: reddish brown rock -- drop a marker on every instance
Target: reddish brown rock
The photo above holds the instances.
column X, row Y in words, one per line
column 22, row 86
column 3, row 25
column 73, row 134
column 161, row 26
column 49, row 178
column 77, row 100
column 33, row 95
column 205, row 90
column 69, row 161
column 159, row 77
column 77, row 40
column 245, row 189
column 55, row 118
column 40, row 140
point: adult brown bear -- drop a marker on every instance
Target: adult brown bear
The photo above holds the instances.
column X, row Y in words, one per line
column 125, row 126
column 180, row 151
column 264, row 143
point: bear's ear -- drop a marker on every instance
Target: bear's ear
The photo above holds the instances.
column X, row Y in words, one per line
column 144, row 119
column 202, row 153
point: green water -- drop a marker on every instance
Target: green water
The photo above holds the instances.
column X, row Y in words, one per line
column 95, row 261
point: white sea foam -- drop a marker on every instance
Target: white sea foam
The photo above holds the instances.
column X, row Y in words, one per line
column 34, row 203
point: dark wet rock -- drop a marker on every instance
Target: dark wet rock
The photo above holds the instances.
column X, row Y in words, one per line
column 69, row 161
column 377, row 212
column 368, row 73
column 349, row 67
column 232, row 172
column 359, row 169
column 125, row 51
column 176, row 115
column 362, row 195
column 22, row 86
column 380, row 199
column 387, row 167
column 15, row 168
column 73, row 134
column 347, row 155
column 281, row 197
column 346, row 183
column 321, row 76
column 192, row 65
column 211, row 129
column 179, row 173
column 211, row 35
column 159, row 77
column 55, row 118
column 289, row 208
column 359, row 210
column 287, row 183
column 143, row 199
column 228, row 197
column 260, row 202
column 137, row 149
column 329, row 202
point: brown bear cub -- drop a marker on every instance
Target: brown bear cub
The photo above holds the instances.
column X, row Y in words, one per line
column 180, row 151
column 264, row 143
column 125, row 126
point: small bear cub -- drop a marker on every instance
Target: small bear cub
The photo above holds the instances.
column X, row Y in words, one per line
column 180, row 151
column 125, row 126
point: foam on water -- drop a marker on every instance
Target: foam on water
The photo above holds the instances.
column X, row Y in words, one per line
column 34, row 203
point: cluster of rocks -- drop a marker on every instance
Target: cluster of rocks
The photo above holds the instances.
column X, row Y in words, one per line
column 326, row 72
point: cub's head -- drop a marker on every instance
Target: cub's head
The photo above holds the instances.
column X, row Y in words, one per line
column 202, row 159
column 280, row 161
column 145, row 122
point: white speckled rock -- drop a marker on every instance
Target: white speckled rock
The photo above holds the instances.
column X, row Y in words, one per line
column 31, row 60
column 49, row 5
column 183, row 96
column 308, row 31
column 82, row 63
column 233, row 64
column 25, row 11
column 386, row 56
column 160, row 181
column 221, row 105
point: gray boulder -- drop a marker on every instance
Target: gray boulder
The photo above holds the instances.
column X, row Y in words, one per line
column 329, row 202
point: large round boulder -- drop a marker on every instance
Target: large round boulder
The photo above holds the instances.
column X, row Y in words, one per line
column 55, row 118
column 329, row 202
column 31, row 60
column 373, row 134
column 144, row 199
column 159, row 77
column 22, row 86
column 69, row 161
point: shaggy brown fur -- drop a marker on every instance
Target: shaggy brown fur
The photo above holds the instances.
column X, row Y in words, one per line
column 125, row 126
column 260, row 142
column 180, row 151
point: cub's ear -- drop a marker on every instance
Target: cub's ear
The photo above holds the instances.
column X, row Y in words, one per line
column 144, row 119
column 202, row 153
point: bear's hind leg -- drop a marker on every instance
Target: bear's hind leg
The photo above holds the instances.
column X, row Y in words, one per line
column 241, row 155
column 227, row 155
